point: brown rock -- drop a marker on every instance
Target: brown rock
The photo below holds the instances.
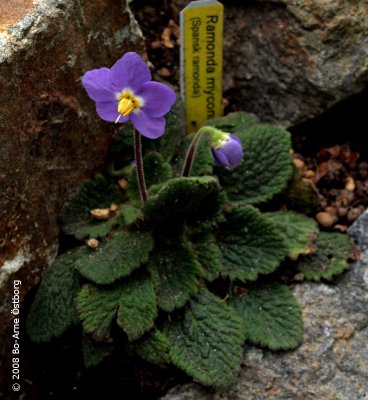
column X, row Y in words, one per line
column 50, row 135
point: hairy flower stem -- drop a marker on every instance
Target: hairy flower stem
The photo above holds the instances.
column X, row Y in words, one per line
column 189, row 158
column 139, row 160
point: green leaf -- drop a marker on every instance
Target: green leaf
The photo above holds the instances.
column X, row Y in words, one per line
column 207, row 342
column 154, row 347
column 94, row 352
column 271, row 316
column 97, row 309
column 169, row 142
column 266, row 166
column 133, row 301
column 298, row 231
column 175, row 274
column 250, row 244
column 203, row 159
column 75, row 216
column 208, row 254
column 330, row 258
column 184, row 198
column 54, row 308
column 116, row 258
column 124, row 142
column 237, row 123
column 131, row 214
column 156, row 170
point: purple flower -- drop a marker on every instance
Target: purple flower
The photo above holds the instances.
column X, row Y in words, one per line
column 126, row 92
column 228, row 150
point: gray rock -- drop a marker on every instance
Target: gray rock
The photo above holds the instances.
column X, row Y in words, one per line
column 290, row 60
column 50, row 135
column 331, row 364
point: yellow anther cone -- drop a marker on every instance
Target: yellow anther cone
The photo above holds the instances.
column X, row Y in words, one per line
column 125, row 107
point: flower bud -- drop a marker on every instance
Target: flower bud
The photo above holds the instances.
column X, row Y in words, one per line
column 226, row 148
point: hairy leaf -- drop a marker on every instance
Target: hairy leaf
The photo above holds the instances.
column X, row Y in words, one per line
column 175, row 274
column 208, row 254
column 54, row 308
column 271, row 315
column 156, row 170
column 250, row 244
column 330, row 258
column 116, row 258
column 237, row 123
column 124, row 142
column 133, row 302
column 154, row 347
column 266, row 166
column 207, row 342
column 169, row 142
column 131, row 214
column 184, row 198
column 94, row 352
column 75, row 216
column 298, row 230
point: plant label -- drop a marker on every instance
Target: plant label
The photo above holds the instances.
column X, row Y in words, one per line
column 201, row 33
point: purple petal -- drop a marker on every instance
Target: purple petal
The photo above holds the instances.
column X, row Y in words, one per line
column 147, row 125
column 234, row 150
column 97, row 85
column 220, row 158
column 109, row 112
column 235, row 138
column 129, row 72
column 158, row 98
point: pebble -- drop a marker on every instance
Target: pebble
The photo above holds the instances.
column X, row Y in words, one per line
column 350, row 184
column 92, row 243
column 325, row 219
column 100, row 213
column 341, row 228
column 156, row 44
column 310, row 174
column 353, row 214
column 122, row 183
column 299, row 163
column 164, row 72
column 331, row 210
column 342, row 212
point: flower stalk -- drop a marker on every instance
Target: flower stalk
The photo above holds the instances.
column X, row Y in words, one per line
column 189, row 158
column 139, row 160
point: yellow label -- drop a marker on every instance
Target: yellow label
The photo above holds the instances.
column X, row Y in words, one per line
column 201, row 24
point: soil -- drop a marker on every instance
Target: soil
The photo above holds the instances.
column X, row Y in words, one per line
column 330, row 151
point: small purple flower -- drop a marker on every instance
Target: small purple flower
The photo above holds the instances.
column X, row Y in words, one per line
column 228, row 150
column 126, row 92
